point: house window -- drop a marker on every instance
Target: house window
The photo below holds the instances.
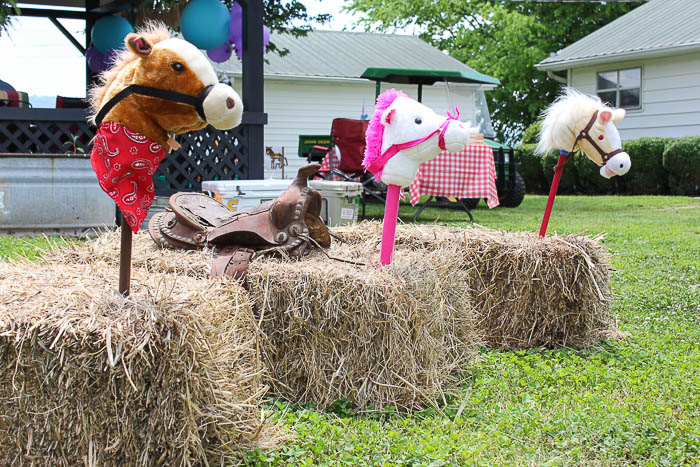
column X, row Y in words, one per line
column 621, row 88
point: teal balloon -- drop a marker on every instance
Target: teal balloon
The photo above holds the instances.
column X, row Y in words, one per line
column 205, row 23
column 109, row 32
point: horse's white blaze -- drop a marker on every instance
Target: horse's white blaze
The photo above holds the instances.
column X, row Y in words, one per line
column 613, row 135
column 193, row 57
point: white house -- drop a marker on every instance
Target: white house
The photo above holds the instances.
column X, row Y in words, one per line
column 647, row 62
column 319, row 80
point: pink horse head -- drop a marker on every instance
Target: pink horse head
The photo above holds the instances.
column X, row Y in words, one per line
column 404, row 133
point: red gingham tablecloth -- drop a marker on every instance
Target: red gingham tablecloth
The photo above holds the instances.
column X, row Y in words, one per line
column 326, row 166
column 469, row 173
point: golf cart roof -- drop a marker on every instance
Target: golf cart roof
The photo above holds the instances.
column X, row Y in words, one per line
column 427, row 77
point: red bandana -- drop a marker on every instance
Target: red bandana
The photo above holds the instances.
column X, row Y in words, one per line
column 125, row 162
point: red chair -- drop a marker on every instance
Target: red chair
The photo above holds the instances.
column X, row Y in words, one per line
column 348, row 144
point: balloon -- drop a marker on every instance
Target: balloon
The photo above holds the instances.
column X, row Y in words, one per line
column 109, row 32
column 205, row 23
column 236, row 30
column 97, row 61
column 220, row 54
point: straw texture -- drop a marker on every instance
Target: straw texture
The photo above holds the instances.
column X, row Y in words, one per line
column 395, row 336
column 169, row 376
column 527, row 291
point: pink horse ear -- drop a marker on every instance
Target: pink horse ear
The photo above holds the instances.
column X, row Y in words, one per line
column 605, row 116
column 138, row 45
column 388, row 116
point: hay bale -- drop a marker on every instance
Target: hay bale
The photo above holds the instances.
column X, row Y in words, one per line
column 528, row 291
column 169, row 376
column 336, row 330
column 146, row 255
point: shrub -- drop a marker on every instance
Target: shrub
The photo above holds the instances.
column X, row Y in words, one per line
column 647, row 175
column 682, row 160
column 531, row 168
column 569, row 176
column 531, row 133
column 589, row 179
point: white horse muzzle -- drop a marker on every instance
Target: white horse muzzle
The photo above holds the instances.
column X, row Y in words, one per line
column 619, row 164
column 223, row 108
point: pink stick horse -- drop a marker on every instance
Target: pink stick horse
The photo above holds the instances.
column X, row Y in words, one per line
column 401, row 135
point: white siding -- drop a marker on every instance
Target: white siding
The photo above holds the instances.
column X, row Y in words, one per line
column 307, row 108
column 670, row 95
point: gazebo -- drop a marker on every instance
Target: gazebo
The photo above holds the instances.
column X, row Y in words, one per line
column 208, row 154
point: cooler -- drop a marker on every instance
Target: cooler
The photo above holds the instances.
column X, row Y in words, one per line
column 341, row 201
column 243, row 195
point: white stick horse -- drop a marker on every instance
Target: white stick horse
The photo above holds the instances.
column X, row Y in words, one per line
column 401, row 135
column 576, row 121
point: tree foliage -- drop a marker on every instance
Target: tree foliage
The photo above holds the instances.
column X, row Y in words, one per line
column 282, row 16
column 504, row 39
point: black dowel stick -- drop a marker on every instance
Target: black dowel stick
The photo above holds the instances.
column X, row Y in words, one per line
column 125, row 259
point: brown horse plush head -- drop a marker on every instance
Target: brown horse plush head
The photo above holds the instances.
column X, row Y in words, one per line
column 159, row 86
column 152, row 59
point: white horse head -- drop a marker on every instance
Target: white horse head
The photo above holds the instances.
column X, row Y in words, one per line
column 578, row 121
column 404, row 133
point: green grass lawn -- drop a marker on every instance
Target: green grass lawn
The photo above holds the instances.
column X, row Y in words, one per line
column 635, row 401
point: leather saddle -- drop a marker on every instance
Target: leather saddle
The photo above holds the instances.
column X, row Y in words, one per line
column 289, row 224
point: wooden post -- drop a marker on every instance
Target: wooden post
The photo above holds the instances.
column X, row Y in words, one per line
column 125, row 259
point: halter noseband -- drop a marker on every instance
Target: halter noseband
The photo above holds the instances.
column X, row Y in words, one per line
column 195, row 101
column 584, row 134
column 378, row 166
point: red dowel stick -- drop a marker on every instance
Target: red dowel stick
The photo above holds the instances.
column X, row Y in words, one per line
column 391, row 214
column 563, row 158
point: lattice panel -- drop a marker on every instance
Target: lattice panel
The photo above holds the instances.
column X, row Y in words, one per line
column 41, row 137
column 207, row 154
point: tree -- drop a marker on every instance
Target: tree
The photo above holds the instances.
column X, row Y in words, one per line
column 289, row 17
column 504, row 39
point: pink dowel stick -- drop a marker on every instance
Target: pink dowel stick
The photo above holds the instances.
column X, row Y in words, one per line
column 391, row 214
column 563, row 158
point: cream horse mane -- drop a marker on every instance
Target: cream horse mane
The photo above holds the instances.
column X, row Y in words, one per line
column 565, row 118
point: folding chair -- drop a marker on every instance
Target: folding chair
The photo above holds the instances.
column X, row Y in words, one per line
column 348, row 142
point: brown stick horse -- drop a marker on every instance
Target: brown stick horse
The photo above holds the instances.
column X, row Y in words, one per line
column 158, row 87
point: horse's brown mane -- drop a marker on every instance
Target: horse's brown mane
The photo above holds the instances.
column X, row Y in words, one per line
column 153, row 31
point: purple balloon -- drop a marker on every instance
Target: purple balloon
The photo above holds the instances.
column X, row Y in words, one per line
column 235, row 28
column 221, row 53
column 98, row 61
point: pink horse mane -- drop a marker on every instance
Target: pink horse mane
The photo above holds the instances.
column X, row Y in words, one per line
column 375, row 130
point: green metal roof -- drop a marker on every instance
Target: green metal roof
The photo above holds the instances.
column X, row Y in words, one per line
column 344, row 54
column 429, row 77
column 659, row 27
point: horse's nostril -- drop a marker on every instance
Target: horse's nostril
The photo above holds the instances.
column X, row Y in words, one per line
column 230, row 103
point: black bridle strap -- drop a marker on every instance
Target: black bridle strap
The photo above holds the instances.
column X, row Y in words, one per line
column 195, row 101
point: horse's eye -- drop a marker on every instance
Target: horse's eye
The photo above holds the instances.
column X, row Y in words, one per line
column 418, row 121
column 177, row 66
column 601, row 137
